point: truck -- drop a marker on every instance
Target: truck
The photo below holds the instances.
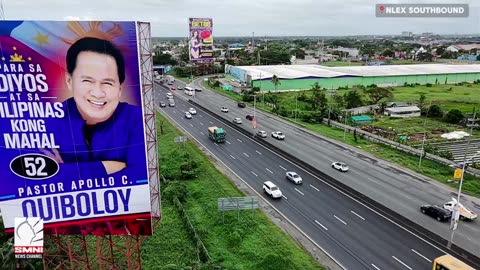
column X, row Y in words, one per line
column 216, row 134
column 170, row 79
column 465, row 213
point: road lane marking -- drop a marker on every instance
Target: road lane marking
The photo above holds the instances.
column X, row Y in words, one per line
column 282, row 167
column 201, row 133
column 374, row 266
column 321, row 225
column 427, row 259
column 246, row 154
column 284, row 197
column 314, row 188
column 191, row 125
column 233, row 157
column 268, row 170
column 200, row 115
column 239, row 140
column 215, row 143
column 357, row 215
column 404, row 264
column 228, row 142
column 258, row 152
column 211, row 122
column 201, row 123
column 373, row 180
column 254, row 173
column 299, row 191
column 174, row 112
column 340, row 220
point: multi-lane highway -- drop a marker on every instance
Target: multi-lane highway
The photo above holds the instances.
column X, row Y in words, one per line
column 353, row 234
column 396, row 188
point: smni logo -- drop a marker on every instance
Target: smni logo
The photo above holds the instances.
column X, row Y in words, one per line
column 28, row 235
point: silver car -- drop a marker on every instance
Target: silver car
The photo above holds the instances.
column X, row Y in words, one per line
column 262, row 134
column 294, row 177
column 237, row 120
column 340, row 166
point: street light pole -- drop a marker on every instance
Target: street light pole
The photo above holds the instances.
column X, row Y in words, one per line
column 296, row 106
column 457, row 205
column 424, row 137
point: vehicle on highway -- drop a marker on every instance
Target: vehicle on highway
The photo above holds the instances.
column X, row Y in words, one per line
column 216, row 134
column 192, row 111
column 170, row 79
column 171, row 103
column 262, row 134
column 436, row 212
column 271, row 189
column 448, row 262
column 294, row 177
column 173, row 88
column 465, row 213
column 340, row 166
column 198, row 89
column 188, row 115
column 179, row 87
column 241, row 105
column 249, row 117
column 162, row 104
column 189, row 91
column 169, row 95
column 237, row 120
column 224, row 109
column 278, row 135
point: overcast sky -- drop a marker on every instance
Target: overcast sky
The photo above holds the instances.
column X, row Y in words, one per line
column 169, row 18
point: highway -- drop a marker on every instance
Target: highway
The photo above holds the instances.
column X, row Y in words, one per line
column 384, row 182
column 354, row 235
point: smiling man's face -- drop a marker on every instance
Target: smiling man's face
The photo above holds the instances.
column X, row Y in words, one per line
column 95, row 86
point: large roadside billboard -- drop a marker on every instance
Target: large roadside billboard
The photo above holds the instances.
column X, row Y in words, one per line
column 200, row 44
column 72, row 145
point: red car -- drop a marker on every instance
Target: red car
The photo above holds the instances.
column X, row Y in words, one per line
column 249, row 117
column 173, row 88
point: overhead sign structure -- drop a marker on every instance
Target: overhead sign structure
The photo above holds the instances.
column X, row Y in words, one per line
column 200, row 44
column 72, row 145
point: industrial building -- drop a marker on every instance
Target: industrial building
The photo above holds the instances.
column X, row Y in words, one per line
column 297, row 77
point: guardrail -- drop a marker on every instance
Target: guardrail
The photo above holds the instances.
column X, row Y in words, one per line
column 455, row 250
column 399, row 146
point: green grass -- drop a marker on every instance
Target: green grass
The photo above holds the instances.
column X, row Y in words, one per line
column 231, row 94
column 251, row 241
column 183, row 79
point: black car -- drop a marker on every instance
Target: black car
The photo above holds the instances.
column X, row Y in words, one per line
column 241, row 105
column 162, row 104
column 198, row 90
column 436, row 212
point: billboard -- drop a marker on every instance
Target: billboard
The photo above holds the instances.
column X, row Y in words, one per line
column 200, row 44
column 72, row 145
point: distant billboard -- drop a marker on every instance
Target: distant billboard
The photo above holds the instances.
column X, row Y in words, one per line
column 200, row 44
column 72, row 145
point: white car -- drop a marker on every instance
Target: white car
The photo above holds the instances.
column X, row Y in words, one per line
column 169, row 95
column 262, row 134
column 340, row 166
column 192, row 111
column 271, row 189
column 224, row 109
column 278, row 135
column 188, row 115
column 237, row 120
column 294, row 177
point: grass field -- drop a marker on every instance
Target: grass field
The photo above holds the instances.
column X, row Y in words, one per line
column 249, row 241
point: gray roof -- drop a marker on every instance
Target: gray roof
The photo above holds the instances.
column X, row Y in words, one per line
column 403, row 109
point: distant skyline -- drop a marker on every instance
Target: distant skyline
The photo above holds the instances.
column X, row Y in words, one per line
column 168, row 18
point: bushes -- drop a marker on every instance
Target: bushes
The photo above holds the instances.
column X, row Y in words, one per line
column 454, row 116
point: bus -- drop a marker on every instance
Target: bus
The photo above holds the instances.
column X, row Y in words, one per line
column 189, row 91
column 448, row 262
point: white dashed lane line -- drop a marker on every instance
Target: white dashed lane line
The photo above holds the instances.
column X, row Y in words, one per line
column 416, row 252
column 200, row 115
column 284, row 197
column 374, row 266
column 228, row 142
column 246, row 154
column 357, row 215
column 299, row 191
column 254, row 173
column 268, row 170
column 215, row 143
column 201, row 123
column 340, row 220
column 321, row 225
column 211, row 122
column 258, row 152
column 232, row 157
column 314, row 188
column 282, row 167
column 239, row 140
column 201, row 133
column 404, row 264
column 191, row 125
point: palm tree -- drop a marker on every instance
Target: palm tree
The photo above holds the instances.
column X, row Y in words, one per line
column 275, row 81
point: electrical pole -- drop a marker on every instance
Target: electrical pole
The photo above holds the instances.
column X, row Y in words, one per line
column 424, row 137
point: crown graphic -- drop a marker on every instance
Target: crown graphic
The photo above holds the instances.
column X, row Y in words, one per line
column 16, row 58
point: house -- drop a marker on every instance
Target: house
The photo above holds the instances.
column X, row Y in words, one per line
column 403, row 112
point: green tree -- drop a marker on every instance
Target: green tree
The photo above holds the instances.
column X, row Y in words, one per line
column 318, row 100
column 353, row 99
column 434, row 111
column 454, row 116
column 275, row 81
column 378, row 93
column 164, row 59
column 421, row 100
column 388, row 52
column 424, row 57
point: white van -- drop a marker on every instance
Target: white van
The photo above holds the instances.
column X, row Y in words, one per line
column 189, row 91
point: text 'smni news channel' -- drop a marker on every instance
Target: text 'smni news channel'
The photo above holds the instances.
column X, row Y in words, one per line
column 422, row 10
column 72, row 145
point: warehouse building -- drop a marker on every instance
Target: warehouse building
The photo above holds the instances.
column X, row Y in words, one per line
column 297, row 77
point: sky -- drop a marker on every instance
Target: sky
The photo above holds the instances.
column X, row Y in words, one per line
column 169, row 18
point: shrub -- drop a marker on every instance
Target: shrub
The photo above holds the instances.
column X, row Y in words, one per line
column 428, row 85
column 454, row 116
column 175, row 189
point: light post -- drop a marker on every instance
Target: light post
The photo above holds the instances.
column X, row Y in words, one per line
column 424, row 137
column 296, row 106
column 456, row 209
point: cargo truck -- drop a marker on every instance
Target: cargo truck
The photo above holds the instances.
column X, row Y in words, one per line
column 216, row 134
column 170, row 79
column 465, row 213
